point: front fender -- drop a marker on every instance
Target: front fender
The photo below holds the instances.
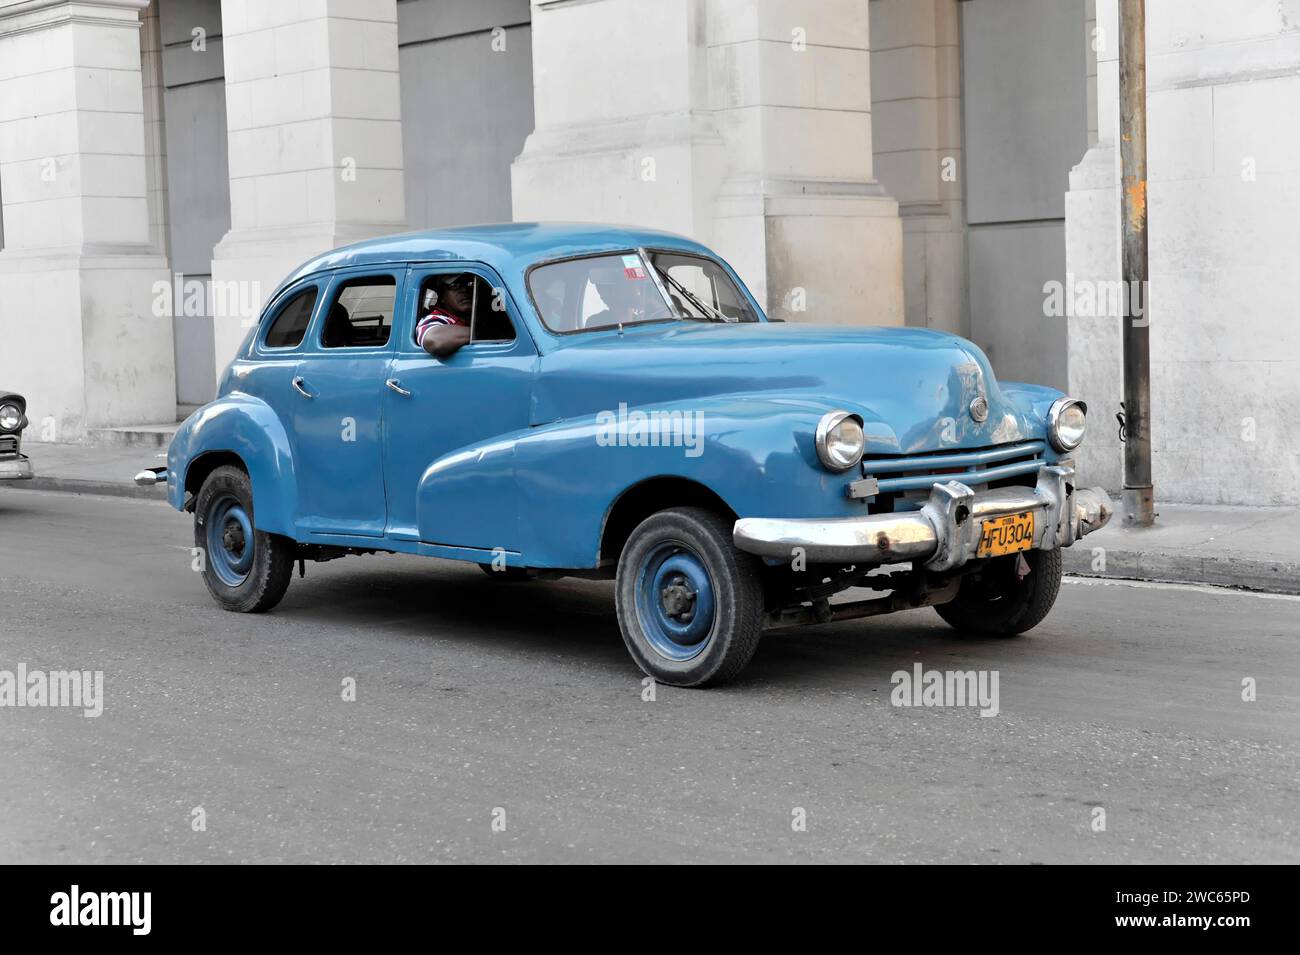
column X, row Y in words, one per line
column 248, row 427
column 1033, row 402
column 757, row 455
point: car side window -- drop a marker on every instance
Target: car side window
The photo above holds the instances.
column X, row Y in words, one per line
column 290, row 322
column 465, row 298
column 361, row 315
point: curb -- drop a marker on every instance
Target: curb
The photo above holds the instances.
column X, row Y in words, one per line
column 1239, row 573
column 83, row 486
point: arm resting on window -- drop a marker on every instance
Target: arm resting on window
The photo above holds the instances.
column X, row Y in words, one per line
column 443, row 340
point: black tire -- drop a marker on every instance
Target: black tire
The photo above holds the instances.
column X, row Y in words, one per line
column 506, row 573
column 271, row 565
column 730, row 578
column 992, row 602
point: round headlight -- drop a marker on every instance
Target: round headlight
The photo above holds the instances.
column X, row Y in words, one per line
column 1066, row 424
column 840, row 440
column 10, row 417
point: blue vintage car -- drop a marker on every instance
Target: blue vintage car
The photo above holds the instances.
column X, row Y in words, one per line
column 613, row 402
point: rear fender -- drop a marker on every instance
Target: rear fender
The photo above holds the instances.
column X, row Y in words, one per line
column 247, row 427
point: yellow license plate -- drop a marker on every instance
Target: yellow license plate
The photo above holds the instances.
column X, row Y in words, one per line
column 1006, row 535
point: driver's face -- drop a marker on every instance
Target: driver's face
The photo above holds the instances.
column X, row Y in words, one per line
column 456, row 297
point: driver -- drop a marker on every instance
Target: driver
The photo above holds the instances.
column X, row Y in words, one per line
column 624, row 296
column 444, row 325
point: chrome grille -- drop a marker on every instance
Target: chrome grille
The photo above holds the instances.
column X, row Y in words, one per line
column 910, row 477
column 8, row 444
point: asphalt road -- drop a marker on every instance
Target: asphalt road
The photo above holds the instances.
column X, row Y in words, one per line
column 478, row 700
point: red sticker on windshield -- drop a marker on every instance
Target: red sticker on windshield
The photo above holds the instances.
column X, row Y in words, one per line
column 632, row 267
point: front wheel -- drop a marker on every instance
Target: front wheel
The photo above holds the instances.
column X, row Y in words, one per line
column 999, row 599
column 246, row 570
column 690, row 605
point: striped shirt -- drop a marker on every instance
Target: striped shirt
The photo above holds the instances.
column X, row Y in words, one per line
column 436, row 317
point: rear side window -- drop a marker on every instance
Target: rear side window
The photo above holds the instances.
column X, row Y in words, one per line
column 362, row 313
column 290, row 323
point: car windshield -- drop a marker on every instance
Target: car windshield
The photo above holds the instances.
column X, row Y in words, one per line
column 631, row 288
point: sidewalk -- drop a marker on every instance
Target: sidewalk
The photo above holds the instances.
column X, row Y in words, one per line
column 84, row 469
column 1253, row 548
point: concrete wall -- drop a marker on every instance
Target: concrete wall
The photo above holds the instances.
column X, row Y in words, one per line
column 1224, row 198
column 1026, row 126
column 467, row 106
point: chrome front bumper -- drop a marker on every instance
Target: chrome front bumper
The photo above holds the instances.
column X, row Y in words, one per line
column 943, row 534
column 15, row 467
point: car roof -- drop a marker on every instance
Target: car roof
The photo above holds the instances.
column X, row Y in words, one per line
column 505, row 246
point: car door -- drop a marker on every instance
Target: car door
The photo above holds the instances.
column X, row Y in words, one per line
column 338, row 418
column 434, row 407
column 276, row 356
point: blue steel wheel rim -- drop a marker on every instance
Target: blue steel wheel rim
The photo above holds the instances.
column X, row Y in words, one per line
column 675, row 601
column 230, row 539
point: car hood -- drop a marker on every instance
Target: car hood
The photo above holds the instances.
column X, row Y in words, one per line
column 913, row 387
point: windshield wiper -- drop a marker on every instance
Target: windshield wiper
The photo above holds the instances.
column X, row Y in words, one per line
column 709, row 313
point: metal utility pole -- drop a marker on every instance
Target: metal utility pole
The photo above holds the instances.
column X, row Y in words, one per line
column 1138, row 495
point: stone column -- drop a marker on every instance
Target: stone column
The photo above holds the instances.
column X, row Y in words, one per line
column 155, row 127
column 799, row 211
column 313, row 115
column 78, row 271
column 623, row 128
column 918, row 150
column 745, row 124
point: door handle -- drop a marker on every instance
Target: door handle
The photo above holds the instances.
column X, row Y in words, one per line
column 298, row 387
column 396, row 386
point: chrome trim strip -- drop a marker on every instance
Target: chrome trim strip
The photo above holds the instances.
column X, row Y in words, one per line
column 956, row 459
column 921, row 482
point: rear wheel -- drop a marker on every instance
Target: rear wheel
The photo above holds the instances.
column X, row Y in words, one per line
column 690, row 605
column 246, row 570
column 997, row 600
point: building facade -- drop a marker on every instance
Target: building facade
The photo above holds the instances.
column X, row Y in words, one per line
column 942, row 163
